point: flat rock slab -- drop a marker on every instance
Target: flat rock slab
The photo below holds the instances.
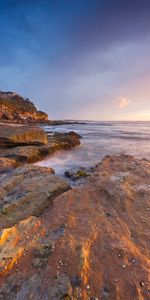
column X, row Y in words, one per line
column 34, row 153
column 93, row 243
column 6, row 164
column 11, row 136
column 27, row 191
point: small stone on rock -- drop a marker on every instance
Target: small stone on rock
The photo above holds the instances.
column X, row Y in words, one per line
column 142, row 283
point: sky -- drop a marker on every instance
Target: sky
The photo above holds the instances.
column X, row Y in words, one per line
column 78, row 59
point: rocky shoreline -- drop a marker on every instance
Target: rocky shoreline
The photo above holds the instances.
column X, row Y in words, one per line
column 28, row 144
column 21, row 195
column 91, row 242
column 57, row 242
column 19, row 110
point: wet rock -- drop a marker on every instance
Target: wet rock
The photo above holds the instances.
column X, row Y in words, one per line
column 34, row 153
column 25, row 154
column 68, row 139
column 78, row 173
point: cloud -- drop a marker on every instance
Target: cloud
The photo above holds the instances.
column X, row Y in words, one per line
column 64, row 54
column 122, row 102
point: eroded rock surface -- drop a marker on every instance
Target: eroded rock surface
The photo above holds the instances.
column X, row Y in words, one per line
column 6, row 164
column 34, row 153
column 26, row 191
column 11, row 136
column 98, row 239
column 15, row 108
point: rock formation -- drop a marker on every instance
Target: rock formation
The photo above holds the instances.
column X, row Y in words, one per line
column 26, row 191
column 25, row 144
column 76, row 174
column 93, row 242
column 11, row 136
column 15, row 108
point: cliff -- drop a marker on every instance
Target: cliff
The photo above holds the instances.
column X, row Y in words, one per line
column 15, row 108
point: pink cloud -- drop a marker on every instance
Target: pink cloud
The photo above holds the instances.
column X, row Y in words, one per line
column 122, row 102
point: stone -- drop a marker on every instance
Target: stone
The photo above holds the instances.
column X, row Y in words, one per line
column 78, row 173
column 6, row 164
column 26, row 191
column 15, row 108
column 34, row 153
column 92, row 246
column 11, row 135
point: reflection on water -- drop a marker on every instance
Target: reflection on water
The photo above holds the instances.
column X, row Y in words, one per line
column 99, row 139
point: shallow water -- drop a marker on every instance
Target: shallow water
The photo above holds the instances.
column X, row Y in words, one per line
column 98, row 140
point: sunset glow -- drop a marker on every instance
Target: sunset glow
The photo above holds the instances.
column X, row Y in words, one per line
column 78, row 59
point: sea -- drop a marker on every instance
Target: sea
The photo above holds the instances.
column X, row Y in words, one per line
column 99, row 139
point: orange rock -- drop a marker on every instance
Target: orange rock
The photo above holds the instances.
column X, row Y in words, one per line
column 101, row 235
column 26, row 191
column 11, row 136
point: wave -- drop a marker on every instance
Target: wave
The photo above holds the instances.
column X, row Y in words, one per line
column 100, row 139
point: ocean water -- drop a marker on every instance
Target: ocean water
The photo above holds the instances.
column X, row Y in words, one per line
column 100, row 139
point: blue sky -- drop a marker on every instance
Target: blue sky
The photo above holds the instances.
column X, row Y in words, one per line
column 86, row 59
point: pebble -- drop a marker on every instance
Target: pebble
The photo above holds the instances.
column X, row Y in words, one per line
column 142, row 283
column 133, row 262
column 88, row 287
column 123, row 266
column 61, row 262
column 133, row 239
